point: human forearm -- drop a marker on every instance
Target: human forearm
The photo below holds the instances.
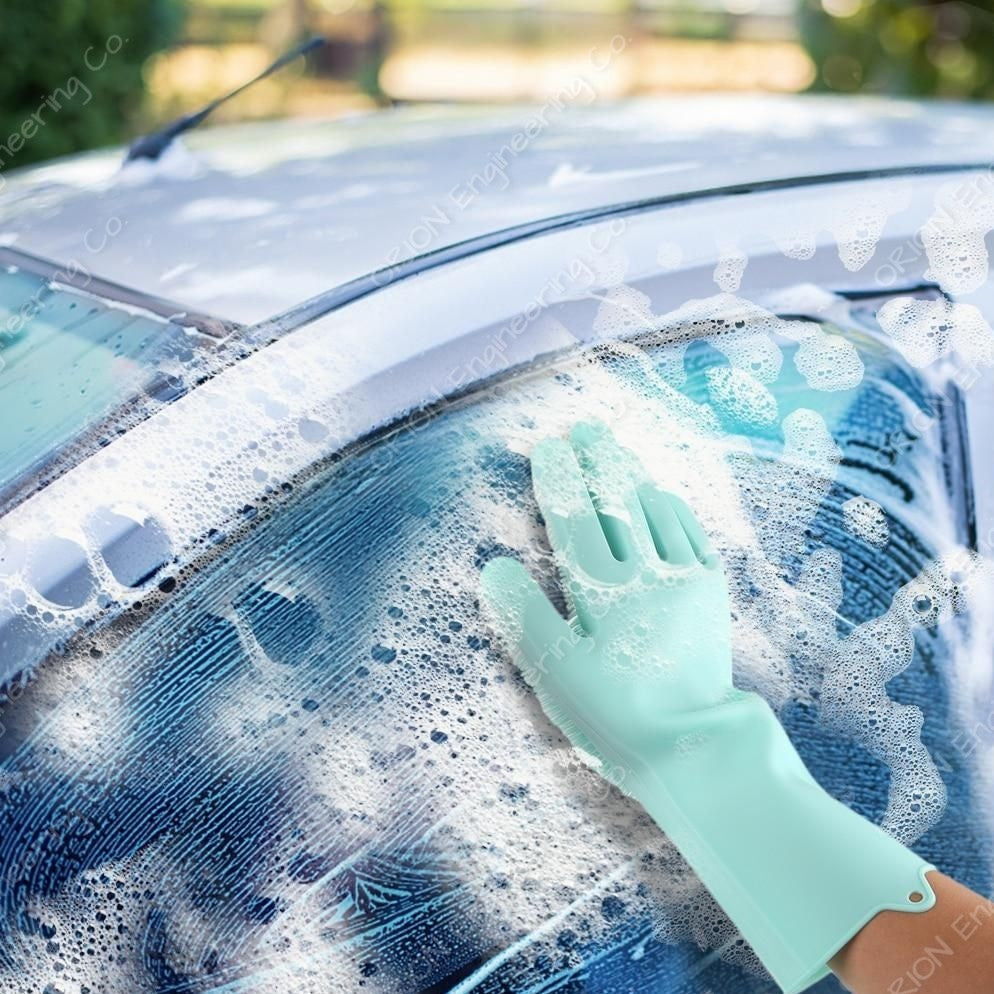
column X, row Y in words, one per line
column 946, row 950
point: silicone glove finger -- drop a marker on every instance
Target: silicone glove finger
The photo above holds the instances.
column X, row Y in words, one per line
column 535, row 632
column 667, row 530
column 611, row 472
column 696, row 535
column 578, row 540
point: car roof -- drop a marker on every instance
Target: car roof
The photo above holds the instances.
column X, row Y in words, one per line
column 245, row 222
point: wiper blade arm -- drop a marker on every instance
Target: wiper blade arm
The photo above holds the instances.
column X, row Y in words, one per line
column 151, row 146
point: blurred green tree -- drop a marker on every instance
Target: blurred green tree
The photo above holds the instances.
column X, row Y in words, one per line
column 942, row 49
column 71, row 71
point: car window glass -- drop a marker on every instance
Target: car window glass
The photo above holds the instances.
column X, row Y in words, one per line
column 68, row 360
column 312, row 768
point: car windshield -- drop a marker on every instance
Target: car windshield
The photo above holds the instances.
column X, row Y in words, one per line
column 68, row 359
column 312, row 768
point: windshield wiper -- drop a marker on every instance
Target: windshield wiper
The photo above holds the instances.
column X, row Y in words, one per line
column 151, row 146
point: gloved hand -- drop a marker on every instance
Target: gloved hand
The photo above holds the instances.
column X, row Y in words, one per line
column 642, row 680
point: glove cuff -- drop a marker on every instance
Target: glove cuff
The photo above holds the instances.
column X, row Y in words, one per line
column 798, row 872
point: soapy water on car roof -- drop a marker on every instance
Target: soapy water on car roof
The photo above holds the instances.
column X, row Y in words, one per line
column 311, row 768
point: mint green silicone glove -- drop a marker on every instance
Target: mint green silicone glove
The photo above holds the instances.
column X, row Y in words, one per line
column 642, row 680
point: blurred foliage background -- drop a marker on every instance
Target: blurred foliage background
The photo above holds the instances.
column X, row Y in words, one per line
column 61, row 86
column 76, row 74
column 886, row 46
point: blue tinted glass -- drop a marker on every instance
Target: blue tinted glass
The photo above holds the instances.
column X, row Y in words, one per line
column 67, row 361
column 311, row 770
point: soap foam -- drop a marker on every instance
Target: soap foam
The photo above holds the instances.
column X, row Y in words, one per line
column 439, row 750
